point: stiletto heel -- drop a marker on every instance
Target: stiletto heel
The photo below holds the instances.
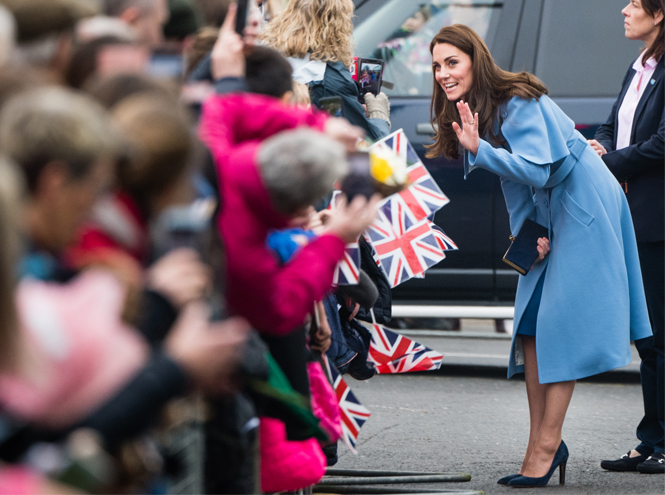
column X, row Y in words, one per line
column 559, row 461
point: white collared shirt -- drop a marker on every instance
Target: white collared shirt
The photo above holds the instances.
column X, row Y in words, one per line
column 641, row 79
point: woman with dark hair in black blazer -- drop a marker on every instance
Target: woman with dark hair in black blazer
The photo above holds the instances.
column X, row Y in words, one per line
column 631, row 144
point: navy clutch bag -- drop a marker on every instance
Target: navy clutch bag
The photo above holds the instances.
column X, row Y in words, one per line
column 523, row 251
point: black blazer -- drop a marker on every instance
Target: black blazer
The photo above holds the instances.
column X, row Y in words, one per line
column 642, row 164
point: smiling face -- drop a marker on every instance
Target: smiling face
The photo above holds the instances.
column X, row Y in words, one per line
column 452, row 70
column 639, row 25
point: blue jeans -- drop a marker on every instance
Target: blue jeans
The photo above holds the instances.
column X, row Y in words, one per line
column 339, row 352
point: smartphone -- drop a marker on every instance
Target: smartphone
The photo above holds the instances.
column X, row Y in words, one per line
column 370, row 75
column 332, row 105
column 241, row 15
column 358, row 180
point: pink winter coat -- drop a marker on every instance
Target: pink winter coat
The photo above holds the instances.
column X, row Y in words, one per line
column 275, row 299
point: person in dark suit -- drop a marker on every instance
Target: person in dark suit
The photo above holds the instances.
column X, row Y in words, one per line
column 631, row 144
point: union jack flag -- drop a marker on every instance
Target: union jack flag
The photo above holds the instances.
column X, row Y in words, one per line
column 353, row 413
column 445, row 242
column 347, row 271
column 423, row 197
column 392, row 352
column 402, row 248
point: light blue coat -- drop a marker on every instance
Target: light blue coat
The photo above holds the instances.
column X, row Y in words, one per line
column 593, row 301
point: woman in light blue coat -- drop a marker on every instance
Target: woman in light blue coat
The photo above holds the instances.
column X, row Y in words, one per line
column 583, row 302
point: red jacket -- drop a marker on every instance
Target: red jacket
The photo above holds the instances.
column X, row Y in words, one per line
column 275, row 299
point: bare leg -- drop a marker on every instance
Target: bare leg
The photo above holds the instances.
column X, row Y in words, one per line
column 557, row 399
column 535, row 393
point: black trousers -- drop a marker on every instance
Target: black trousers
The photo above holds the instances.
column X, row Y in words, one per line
column 652, row 370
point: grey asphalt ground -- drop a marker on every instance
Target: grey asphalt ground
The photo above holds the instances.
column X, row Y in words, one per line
column 469, row 418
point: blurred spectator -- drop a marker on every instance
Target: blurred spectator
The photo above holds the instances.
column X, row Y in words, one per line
column 7, row 35
column 214, row 11
column 100, row 26
column 268, row 73
column 13, row 479
column 105, row 56
column 10, row 189
column 45, row 30
column 64, row 145
column 111, row 90
column 17, row 78
column 146, row 17
column 317, row 36
column 185, row 19
column 203, row 42
column 152, row 177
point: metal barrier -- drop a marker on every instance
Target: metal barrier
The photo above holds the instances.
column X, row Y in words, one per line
column 364, row 481
column 483, row 312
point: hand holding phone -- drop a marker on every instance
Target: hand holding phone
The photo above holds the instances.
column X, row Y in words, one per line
column 370, row 75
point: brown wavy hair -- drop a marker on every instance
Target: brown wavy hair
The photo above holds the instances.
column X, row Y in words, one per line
column 322, row 28
column 656, row 50
column 491, row 86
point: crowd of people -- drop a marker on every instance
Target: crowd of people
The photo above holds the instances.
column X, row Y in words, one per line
column 168, row 241
column 168, row 250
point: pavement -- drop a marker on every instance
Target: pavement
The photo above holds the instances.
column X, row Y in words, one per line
column 468, row 418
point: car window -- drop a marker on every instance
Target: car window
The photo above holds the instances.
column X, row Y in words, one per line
column 582, row 50
column 400, row 33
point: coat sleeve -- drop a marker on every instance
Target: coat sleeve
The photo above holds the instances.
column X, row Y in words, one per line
column 228, row 121
column 281, row 296
column 605, row 133
column 519, row 203
column 535, row 141
column 638, row 158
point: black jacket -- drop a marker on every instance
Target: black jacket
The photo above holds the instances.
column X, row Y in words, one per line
column 641, row 165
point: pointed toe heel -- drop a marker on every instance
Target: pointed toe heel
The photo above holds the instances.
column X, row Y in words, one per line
column 560, row 460
column 506, row 479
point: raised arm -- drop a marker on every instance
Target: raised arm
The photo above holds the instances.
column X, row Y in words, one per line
column 535, row 134
column 228, row 121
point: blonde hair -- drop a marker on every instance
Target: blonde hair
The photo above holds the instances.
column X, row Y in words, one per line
column 11, row 189
column 322, row 28
column 301, row 95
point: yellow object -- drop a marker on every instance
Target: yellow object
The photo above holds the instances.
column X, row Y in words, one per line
column 380, row 168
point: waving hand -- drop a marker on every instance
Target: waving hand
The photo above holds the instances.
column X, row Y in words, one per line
column 468, row 133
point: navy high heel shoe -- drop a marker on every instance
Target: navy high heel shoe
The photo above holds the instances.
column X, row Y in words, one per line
column 506, row 479
column 559, row 461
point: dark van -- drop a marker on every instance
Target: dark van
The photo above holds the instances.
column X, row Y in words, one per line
column 577, row 47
